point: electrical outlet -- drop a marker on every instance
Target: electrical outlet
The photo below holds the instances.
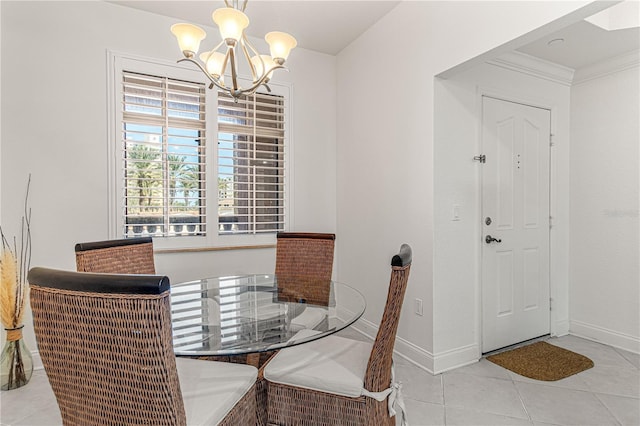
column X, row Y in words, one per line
column 455, row 214
column 418, row 306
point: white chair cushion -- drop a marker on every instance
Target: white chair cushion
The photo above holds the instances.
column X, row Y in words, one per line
column 211, row 389
column 309, row 318
column 331, row 364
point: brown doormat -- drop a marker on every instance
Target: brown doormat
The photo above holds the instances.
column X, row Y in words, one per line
column 542, row 361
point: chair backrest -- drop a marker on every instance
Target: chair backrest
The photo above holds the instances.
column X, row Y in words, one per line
column 125, row 256
column 106, row 346
column 305, row 254
column 378, row 375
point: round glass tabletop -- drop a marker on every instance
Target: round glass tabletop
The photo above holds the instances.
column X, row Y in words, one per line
column 256, row 313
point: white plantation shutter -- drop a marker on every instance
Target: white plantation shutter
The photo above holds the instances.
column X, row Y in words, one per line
column 163, row 145
column 251, row 164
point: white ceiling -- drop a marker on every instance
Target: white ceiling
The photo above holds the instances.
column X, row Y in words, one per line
column 326, row 26
column 584, row 44
column 329, row 26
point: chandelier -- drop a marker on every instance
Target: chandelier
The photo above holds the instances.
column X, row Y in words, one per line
column 232, row 22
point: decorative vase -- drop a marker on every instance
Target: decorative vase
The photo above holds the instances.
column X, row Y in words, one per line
column 16, row 364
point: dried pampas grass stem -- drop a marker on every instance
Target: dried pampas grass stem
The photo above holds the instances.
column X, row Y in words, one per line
column 9, row 279
column 16, row 363
column 14, row 266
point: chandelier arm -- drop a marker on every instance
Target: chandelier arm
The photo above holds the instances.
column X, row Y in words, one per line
column 211, row 79
column 255, row 52
column 254, row 73
column 224, row 63
column 258, row 83
column 253, row 49
column 234, row 75
column 244, row 5
column 211, row 52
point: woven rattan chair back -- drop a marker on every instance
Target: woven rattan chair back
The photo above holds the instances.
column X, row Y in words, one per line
column 378, row 375
column 302, row 254
column 124, row 256
column 106, row 346
column 292, row 405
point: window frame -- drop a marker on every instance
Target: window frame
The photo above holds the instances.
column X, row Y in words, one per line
column 119, row 62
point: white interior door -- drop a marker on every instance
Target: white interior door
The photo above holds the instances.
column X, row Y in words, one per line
column 515, row 223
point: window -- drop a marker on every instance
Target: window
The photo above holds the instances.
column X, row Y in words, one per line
column 251, row 164
column 164, row 147
column 172, row 138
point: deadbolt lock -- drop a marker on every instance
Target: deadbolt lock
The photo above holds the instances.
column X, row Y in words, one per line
column 487, row 221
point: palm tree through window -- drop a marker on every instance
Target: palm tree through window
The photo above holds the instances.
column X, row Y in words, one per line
column 164, row 156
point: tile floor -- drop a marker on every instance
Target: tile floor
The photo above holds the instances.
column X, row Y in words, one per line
column 479, row 394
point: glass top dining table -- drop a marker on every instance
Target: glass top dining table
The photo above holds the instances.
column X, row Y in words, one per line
column 246, row 314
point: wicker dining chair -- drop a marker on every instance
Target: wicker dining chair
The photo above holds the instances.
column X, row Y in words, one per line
column 124, row 256
column 304, row 264
column 305, row 254
column 339, row 381
column 106, row 345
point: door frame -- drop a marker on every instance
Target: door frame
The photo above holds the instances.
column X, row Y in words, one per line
column 558, row 326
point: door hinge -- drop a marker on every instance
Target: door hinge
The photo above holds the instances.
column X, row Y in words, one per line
column 550, row 222
column 481, row 158
column 551, row 142
column 550, row 304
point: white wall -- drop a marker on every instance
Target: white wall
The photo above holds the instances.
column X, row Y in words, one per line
column 374, row 187
column 54, row 126
column 605, row 277
column 457, row 244
column 385, row 147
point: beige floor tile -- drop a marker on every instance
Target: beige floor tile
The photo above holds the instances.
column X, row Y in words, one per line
column 483, row 394
column 461, row 417
column 419, row 384
column 423, row 413
column 554, row 405
column 613, row 380
column 484, row 368
column 600, row 354
column 625, row 410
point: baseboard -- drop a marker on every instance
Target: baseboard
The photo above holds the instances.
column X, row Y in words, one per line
column 365, row 327
column 434, row 364
column 403, row 348
column 415, row 355
column 455, row 358
column 606, row 336
column 561, row 328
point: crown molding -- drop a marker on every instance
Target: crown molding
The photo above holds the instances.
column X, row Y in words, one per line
column 536, row 67
column 610, row 66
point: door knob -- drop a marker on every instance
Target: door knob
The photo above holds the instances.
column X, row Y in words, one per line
column 489, row 239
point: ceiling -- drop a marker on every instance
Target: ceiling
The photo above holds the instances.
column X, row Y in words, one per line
column 328, row 26
column 584, row 44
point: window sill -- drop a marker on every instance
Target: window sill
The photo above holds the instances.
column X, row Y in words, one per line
column 203, row 249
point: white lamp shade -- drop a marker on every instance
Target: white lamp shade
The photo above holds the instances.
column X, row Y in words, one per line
column 231, row 22
column 268, row 64
column 189, row 37
column 280, row 44
column 213, row 61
